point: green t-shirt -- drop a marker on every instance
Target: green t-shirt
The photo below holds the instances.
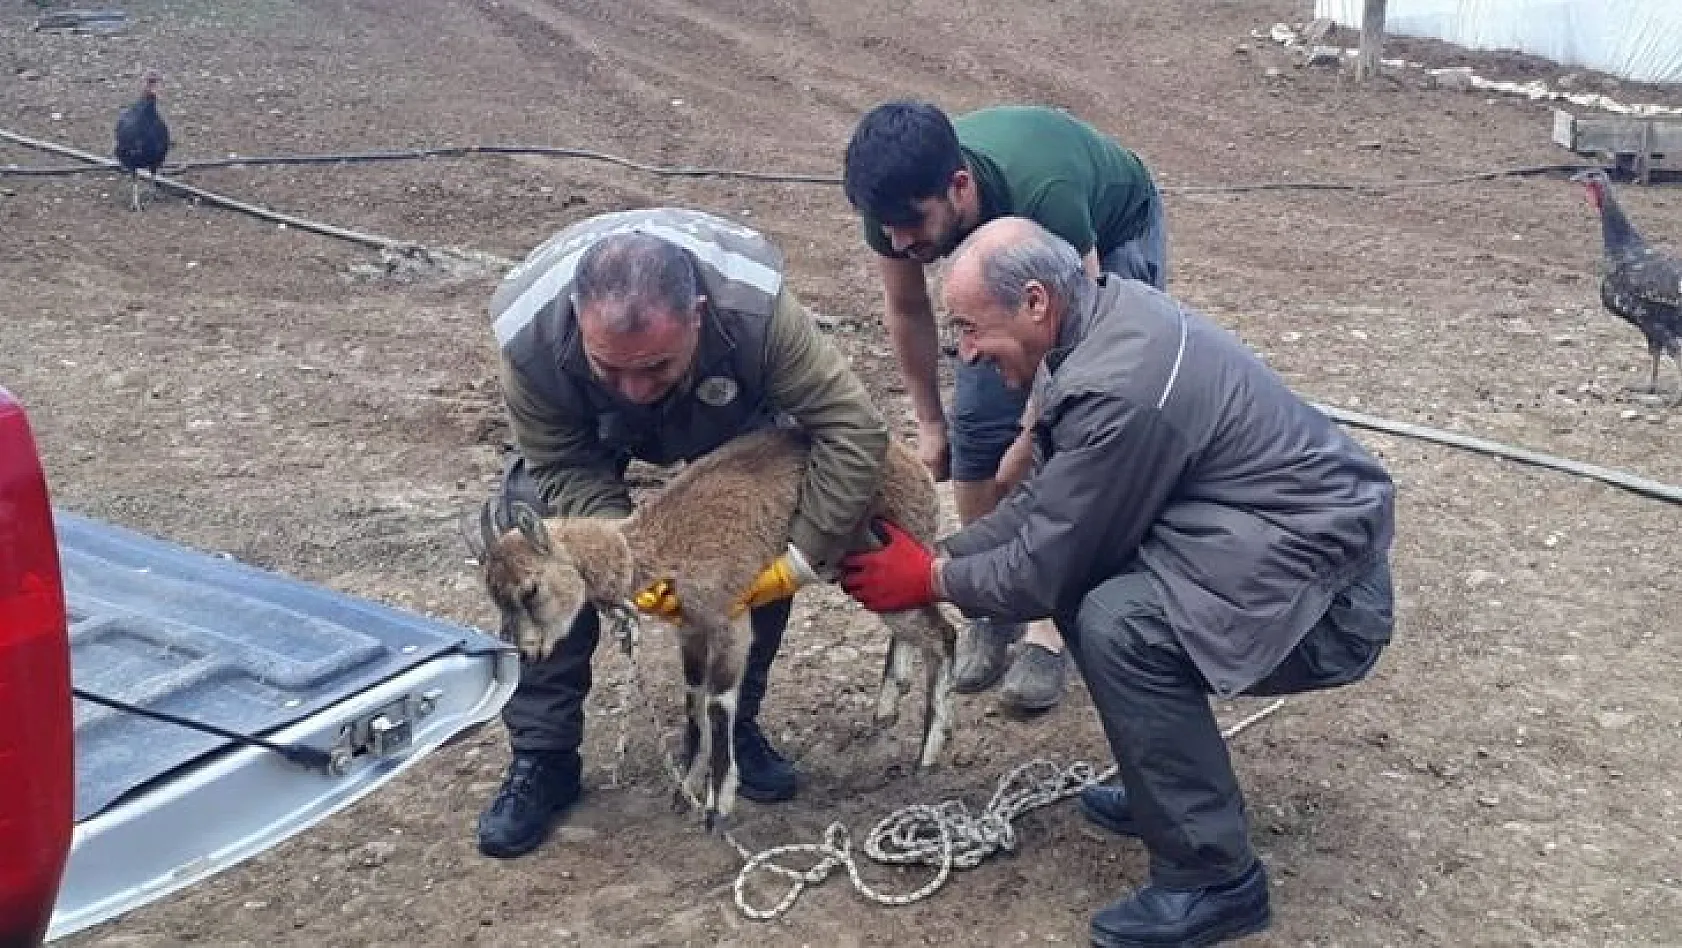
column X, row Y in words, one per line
column 1045, row 164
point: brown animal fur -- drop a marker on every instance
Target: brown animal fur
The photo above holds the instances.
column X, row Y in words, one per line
column 708, row 534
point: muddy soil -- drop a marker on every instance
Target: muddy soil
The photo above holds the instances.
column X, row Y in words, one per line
column 1506, row 778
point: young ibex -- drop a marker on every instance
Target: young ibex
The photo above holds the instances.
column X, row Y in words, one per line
column 708, row 534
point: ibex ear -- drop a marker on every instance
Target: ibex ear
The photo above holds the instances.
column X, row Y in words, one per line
column 472, row 534
column 532, row 527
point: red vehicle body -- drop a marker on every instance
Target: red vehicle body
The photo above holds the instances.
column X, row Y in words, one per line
column 37, row 757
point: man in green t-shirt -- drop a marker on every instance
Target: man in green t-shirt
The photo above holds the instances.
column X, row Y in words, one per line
column 923, row 182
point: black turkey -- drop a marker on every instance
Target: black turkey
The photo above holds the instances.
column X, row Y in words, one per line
column 142, row 136
column 1637, row 282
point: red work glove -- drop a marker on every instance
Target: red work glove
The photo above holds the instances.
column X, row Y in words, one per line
column 897, row 577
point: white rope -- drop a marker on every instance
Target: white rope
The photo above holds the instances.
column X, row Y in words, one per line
column 946, row 836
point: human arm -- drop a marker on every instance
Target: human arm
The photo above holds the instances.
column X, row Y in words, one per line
column 1114, row 466
column 908, row 315
column 575, row 474
column 1019, row 457
column 808, row 378
column 780, row 580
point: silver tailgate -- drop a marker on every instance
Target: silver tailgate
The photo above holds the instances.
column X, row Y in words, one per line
column 169, row 629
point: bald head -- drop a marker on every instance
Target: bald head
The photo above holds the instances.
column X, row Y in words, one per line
column 630, row 280
column 1008, row 288
column 638, row 303
column 1003, row 256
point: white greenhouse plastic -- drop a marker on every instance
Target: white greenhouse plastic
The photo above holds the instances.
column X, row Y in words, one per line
column 1639, row 40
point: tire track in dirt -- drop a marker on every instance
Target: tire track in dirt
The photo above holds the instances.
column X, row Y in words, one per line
column 1382, row 788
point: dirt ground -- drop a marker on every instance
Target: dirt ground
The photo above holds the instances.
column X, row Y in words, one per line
column 1506, row 778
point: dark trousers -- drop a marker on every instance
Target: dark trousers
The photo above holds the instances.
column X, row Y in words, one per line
column 546, row 711
column 1155, row 709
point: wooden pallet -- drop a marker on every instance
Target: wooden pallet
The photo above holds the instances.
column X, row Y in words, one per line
column 1634, row 142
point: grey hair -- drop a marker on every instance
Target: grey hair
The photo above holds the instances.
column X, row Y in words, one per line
column 639, row 275
column 1042, row 257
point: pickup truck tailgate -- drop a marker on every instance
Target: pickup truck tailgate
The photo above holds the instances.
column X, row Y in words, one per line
column 173, row 630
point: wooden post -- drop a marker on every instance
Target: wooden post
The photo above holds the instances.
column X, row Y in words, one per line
column 1372, row 39
column 1644, row 160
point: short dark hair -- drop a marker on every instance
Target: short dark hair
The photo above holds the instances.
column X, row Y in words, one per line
column 900, row 153
column 639, row 272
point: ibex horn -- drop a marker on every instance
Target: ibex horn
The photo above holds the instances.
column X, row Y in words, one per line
column 531, row 526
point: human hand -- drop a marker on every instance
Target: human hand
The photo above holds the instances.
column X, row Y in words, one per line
column 660, row 599
column 780, row 580
column 894, row 578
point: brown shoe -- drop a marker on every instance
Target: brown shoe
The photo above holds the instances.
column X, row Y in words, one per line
column 983, row 655
column 1036, row 680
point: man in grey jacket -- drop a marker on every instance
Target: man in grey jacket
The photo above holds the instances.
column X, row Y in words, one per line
column 1191, row 526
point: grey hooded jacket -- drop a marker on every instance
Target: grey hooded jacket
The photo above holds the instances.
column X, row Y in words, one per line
column 1163, row 444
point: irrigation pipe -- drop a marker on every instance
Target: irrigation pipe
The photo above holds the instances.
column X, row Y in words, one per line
column 1629, row 482
column 688, row 171
column 1376, row 186
column 452, row 151
column 210, row 197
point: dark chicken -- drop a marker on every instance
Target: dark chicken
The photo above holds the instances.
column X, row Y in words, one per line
column 142, row 136
column 1637, row 282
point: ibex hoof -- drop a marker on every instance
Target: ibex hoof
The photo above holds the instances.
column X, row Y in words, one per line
column 716, row 822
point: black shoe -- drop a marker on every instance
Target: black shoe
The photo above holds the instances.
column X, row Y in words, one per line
column 1155, row 917
column 1107, row 807
column 766, row 776
column 534, row 794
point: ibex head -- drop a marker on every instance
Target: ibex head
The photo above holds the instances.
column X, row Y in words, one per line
column 536, row 576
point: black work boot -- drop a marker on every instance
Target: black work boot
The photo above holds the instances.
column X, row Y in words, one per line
column 1155, row 917
column 1107, row 807
column 538, row 788
column 766, row 776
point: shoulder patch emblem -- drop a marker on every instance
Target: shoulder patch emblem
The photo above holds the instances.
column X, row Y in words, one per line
column 717, row 390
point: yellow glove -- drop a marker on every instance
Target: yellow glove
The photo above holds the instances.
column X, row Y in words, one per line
column 659, row 599
column 779, row 580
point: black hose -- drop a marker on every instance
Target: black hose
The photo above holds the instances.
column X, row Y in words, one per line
column 450, row 151
column 1630, row 482
column 309, row 758
column 687, row 171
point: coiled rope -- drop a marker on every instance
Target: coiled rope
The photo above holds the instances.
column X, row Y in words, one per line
column 945, row 836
